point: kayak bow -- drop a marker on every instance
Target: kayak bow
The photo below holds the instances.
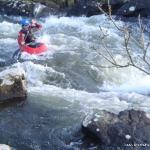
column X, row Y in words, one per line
column 37, row 48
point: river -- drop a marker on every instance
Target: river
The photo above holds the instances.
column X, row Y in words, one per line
column 63, row 85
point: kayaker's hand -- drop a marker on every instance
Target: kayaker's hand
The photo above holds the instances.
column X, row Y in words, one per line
column 33, row 22
column 22, row 43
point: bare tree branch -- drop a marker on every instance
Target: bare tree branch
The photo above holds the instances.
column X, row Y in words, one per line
column 128, row 39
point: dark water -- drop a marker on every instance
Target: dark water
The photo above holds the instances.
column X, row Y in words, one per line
column 28, row 126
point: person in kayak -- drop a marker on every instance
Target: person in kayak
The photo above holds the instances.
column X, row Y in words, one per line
column 26, row 35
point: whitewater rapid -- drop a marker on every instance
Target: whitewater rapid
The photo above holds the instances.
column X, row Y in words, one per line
column 64, row 85
column 70, row 41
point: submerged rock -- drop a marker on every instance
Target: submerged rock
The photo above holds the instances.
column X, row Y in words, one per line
column 128, row 129
column 12, row 85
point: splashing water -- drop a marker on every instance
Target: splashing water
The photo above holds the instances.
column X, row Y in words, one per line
column 62, row 88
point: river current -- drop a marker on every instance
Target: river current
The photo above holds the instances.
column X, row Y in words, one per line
column 64, row 85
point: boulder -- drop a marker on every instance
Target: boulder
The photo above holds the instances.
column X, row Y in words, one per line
column 12, row 85
column 126, row 8
column 74, row 7
column 134, row 8
column 89, row 8
column 11, row 7
column 128, row 129
column 82, row 7
column 24, row 8
column 27, row 7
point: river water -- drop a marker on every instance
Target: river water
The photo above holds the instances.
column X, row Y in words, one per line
column 64, row 86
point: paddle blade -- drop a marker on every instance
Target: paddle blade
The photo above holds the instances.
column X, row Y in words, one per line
column 37, row 9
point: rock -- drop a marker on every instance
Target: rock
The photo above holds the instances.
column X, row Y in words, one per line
column 11, row 7
column 74, row 7
column 89, row 8
column 12, row 85
column 82, row 7
column 27, row 7
column 134, row 8
column 111, row 130
column 24, row 8
column 128, row 8
column 115, row 5
column 5, row 147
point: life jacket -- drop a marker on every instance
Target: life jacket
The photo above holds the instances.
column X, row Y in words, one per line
column 25, row 36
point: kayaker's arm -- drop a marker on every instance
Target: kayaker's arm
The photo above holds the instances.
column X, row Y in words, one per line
column 35, row 26
column 21, row 38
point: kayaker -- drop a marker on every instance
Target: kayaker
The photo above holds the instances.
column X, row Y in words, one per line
column 26, row 35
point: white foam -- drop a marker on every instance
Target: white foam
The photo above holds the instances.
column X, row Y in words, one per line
column 132, row 8
column 77, row 35
column 5, row 147
column 139, row 84
column 128, row 137
column 85, row 99
column 36, row 73
column 9, row 29
column 110, row 101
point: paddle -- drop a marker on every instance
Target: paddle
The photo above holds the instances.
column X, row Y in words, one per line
column 37, row 9
column 17, row 54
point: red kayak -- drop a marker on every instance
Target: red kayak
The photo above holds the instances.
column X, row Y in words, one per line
column 36, row 48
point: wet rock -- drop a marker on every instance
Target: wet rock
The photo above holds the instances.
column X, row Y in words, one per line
column 5, row 147
column 24, row 8
column 126, row 8
column 83, row 7
column 27, row 7
column 12, row 85
column 129, row 127
column 134, row 8
column 74, row 7
column 11, row 7
column 89, row 8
